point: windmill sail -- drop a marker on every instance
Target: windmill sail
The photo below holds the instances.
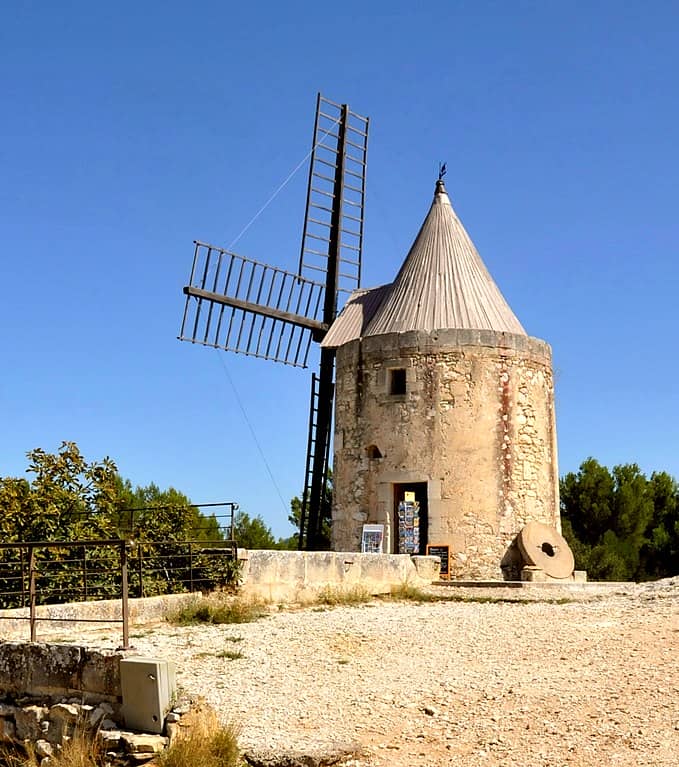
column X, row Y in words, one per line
column 241, row 305
column 244, row 306
column 332, row 243
column 335, row 196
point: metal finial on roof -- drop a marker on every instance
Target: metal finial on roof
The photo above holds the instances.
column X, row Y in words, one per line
column 442, row 170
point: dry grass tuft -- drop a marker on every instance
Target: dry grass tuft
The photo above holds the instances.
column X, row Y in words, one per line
column 230, row 654
column 202, row 742
column 333, row 596
column 408, row 592
column 218, row 608
column 82, row 750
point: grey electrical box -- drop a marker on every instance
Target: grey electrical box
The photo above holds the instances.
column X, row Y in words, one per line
column 148, row 687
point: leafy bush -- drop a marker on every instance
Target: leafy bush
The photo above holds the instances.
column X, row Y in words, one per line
column 68, row 498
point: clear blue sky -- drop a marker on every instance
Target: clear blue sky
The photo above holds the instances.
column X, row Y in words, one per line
column 129, row 129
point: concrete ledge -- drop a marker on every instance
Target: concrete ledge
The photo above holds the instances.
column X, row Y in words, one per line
column 299, row 576
column 56, row 618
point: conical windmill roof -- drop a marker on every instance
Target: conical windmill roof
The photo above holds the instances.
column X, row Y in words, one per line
column 442, row 285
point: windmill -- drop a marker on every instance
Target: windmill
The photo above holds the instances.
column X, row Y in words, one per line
column 241, row 305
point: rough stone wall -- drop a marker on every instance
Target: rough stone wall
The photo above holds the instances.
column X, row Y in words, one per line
column 48, row 692
column 54, row 671
column 476, row 424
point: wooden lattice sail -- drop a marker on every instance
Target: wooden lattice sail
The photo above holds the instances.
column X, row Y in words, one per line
column 241, row 305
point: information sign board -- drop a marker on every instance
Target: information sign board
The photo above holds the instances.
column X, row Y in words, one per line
column 438, row 550
column 372, row 539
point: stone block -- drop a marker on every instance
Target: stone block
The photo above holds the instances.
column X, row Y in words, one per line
column 110, row 739
column 143, row 744
column 29, row 721
column 100, row 674
column 173, row 729
column 273, row 574
column 350, row 569
column 532, row 574
column 324, row 567
column 377, row 573
column 98, row 714
column 62, row 718
column 43, row 748
column 427, row 568
column 14, row 669
column 7, row 731
column 54, row 669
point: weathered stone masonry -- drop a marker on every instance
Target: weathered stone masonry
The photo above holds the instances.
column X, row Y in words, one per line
column 442, row 399
column 476, row 423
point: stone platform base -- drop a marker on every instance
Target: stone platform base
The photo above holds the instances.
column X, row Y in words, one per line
column 532, row 574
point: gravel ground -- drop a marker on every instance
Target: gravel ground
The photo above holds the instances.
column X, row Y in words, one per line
column 590, row 682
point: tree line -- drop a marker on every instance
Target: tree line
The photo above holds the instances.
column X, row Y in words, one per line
column 173, row 546
column 620, row 524
column 66, row 497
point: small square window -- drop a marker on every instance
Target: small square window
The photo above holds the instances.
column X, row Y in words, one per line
column 397, row 381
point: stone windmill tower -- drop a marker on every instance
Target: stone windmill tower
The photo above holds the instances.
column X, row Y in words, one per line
column 444, row 408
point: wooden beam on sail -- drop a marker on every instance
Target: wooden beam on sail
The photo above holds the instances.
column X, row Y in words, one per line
column 319, row 329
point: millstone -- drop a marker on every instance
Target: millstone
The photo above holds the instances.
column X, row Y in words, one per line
column 544, row 547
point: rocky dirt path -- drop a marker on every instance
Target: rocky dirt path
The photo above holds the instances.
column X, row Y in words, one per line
column 595, row 682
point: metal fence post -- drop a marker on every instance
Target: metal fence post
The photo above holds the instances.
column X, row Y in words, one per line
column 32, row 591
column 140, row 564
column 125, row 603
column 84, row 553
column 23, row 577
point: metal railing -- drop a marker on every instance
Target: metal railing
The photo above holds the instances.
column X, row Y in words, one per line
column 36, row 574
